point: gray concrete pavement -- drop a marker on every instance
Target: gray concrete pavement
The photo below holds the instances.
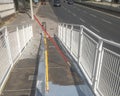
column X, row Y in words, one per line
column 62, row 79
column 47, row 15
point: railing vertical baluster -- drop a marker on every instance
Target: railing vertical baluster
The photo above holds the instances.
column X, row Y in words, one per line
column 98, row 64
column 18, row 40
column 62, row 31
column 66, row 34
column 80, row 44
column 8, row 47
column 71, row 38
column 24, row 35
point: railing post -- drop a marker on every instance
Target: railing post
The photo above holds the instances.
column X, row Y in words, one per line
column 98, row 64
column 18, row 40
column 62, row 32
column 24, row 35
column 31, row 31
column 66, row 34
column 71, row 38
column 80, row 44
column 8, row 47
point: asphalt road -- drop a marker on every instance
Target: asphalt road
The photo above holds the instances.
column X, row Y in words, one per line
column 103, row 24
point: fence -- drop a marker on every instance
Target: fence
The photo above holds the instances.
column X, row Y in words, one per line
column 12, row 42
column 98, row 58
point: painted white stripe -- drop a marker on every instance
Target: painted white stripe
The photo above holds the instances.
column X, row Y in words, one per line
column 95, row 29
column 18, row 90
column 74, row 14
column 93, row 15
column 99, row 11
column 64, row 8
column 26, row 68
column 82, row 20
column 69, row 11
column 106, row 21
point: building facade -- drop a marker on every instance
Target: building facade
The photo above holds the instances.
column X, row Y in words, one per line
column 6, row 8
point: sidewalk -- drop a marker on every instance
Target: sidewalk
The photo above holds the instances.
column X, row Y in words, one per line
column 104, row 5
column 22, row 80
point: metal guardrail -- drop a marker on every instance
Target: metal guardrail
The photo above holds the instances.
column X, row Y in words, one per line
column 11, row 46
column 98, row 58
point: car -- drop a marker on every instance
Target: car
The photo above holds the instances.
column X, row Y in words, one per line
column 70, row 2
column 57, row 3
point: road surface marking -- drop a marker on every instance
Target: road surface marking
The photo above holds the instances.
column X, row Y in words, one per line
column 18, row 90
column 93, row 15
column 99, row 11
column 73, row 14
column 69, row 11
column 46, row 64
column 106, row 21
column 64, row 8
column 82, row 20
column 95, row 29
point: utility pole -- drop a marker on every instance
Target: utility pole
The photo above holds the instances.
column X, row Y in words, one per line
column 31, row 7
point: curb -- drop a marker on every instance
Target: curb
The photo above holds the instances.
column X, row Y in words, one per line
column 98, row 6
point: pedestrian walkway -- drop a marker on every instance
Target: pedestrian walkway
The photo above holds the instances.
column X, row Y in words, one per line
column 61, row 77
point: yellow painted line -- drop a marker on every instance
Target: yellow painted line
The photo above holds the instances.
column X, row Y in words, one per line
column 46, row 64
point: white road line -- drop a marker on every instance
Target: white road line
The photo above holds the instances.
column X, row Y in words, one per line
column 69, row 11
column 64, row 8
column 100, row 11
column 82, row 20
column 18, row 90
column 93, row 15
column 106, row 21
column 73, row 14
column 26, row 68
column 95, row 29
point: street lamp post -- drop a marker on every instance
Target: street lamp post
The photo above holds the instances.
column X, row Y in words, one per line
column 31, row 7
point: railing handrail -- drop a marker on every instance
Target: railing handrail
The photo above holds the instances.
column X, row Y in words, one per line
column 97, row 36
column 97, row 57
column 21, row 24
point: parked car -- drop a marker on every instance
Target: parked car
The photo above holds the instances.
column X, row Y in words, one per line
column 57, row 3
column 70, row 2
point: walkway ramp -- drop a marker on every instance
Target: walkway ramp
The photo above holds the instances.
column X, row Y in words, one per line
column 61, row 76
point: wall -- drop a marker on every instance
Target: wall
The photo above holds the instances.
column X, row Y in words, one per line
column 6, row 8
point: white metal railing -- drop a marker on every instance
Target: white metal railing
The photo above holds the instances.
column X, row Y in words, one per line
column 98, row 58
column 12, row 42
